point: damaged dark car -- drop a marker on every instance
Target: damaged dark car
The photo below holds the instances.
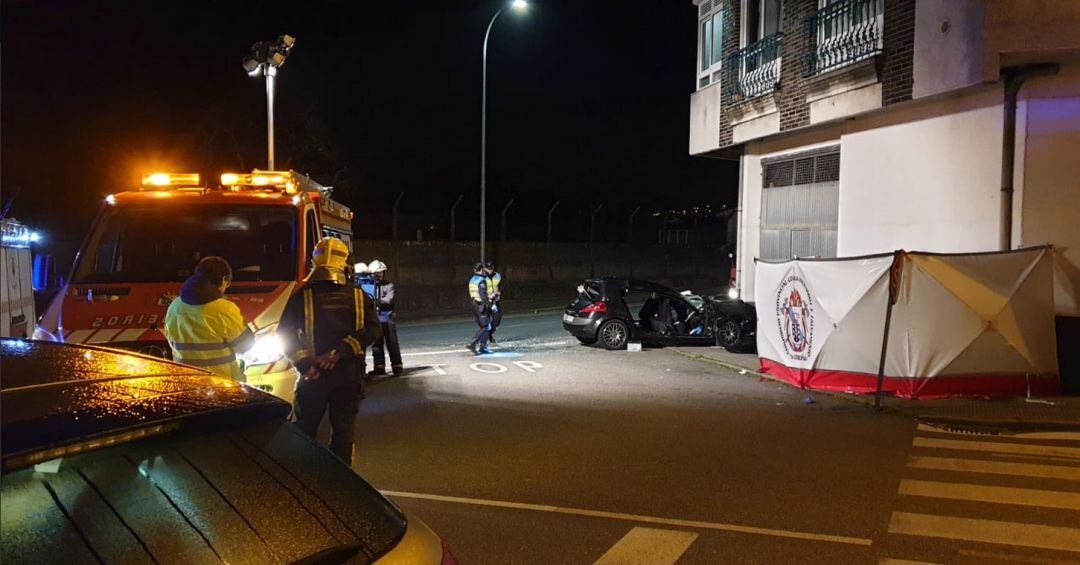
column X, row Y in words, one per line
column 613, row 312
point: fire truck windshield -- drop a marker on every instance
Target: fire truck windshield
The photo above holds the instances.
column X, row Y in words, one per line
column 163, row 243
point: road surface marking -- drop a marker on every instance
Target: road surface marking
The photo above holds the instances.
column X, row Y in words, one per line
column 986, row 493
column 1013, row 558
column 1073, row 436
column 438, row 368
column 447, row 352
column 986, row 531
column 648, row 546
column 530, row 366
column 994, row 467
column 1021, row 448
column 635, row 518
column 497, row 368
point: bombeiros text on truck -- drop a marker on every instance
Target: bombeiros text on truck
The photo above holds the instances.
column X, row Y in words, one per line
column 146, row 242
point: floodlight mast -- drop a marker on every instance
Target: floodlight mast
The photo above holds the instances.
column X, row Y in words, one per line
column 265, row 59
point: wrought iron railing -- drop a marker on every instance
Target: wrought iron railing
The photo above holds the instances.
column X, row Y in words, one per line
column 754, row 70
column 843, row 32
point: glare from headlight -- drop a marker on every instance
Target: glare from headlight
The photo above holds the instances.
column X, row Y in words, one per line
column 733, row 293
column 267, row 349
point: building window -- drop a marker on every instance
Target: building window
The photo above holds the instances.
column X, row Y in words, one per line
column 799, row 205
column 843, row 32
column 711, row 42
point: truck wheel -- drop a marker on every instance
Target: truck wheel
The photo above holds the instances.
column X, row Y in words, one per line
column 587, row 340
column 614, row 334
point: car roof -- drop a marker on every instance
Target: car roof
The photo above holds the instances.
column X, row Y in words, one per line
column 55, row 394
column 638, row 284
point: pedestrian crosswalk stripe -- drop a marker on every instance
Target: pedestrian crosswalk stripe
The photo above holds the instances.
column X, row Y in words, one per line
column 648, row 546
column 1072, row 436
column 995, row 494
column 994, row 467
column 986, row 531
column 1022, row 448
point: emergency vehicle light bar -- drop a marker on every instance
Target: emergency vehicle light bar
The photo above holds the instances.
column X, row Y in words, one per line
column 260, row 179
column 171, row 179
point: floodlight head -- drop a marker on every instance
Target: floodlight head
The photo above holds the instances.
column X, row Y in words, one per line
column 276, row 58
column 285, row 43
column 251, row 66
column 520, row 5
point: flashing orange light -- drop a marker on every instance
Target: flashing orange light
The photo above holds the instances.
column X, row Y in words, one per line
column 171, row 179
column 229, row 179
column 261, row 179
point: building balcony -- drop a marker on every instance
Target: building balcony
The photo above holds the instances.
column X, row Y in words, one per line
column 753, row 70
column 842, row 33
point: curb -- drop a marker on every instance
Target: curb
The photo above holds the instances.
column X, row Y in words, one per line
column 989, row 425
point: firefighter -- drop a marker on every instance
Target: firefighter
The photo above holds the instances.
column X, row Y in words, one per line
column 478, row 292
column 325, row 327
column 494, row 279
column 204, row 328
column 383, row 295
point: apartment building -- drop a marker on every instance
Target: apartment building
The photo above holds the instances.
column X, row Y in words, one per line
column 866, row 126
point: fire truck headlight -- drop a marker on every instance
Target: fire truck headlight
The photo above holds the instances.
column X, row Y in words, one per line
column 267, row 349
column 110, row 200
column 733, row 293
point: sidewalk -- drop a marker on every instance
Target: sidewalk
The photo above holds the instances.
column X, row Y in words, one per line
column 1057, row 412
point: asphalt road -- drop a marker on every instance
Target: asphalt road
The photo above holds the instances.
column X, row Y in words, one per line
column 552, row 452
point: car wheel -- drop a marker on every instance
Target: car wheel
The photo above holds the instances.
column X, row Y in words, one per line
column 587, row 340
column 729, row 333
column 614, row 334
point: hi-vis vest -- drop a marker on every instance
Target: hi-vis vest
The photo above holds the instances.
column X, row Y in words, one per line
column 474, row 288
column 207, row 335
column 493, row 285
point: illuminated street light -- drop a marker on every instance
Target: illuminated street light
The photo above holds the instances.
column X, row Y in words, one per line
column 518, row 6
column 265, row 59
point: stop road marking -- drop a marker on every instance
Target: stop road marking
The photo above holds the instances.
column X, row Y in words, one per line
column 496, row 368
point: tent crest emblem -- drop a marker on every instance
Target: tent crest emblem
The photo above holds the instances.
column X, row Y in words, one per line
column 795, row 316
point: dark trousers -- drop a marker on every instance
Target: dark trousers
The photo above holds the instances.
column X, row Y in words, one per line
column 338, row 390
column 388, row 341
column 483, row 320
column 496, row 317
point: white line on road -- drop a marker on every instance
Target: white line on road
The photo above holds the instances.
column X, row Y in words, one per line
column 994, row 494
column 1022, row 448
column 995, row 467
column 986, row 531
column 1073, row 436
column 447, row 352
column 635, row 518
column 648, row 546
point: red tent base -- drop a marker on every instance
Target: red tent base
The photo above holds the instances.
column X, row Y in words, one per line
column 924, row 388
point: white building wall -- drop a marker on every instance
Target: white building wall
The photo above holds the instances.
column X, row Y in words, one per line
column 949, row 43
column 1048, row 177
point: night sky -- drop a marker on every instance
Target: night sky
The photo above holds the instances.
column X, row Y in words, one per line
column 588, row 102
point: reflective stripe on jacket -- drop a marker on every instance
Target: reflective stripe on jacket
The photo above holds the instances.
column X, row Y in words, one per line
column 208, row 336
column 478, row 289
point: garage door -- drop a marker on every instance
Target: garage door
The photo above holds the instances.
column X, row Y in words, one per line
column 799, row 203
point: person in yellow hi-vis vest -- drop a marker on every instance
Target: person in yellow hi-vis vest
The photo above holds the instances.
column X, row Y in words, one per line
column 204, row 328
column 325, row 328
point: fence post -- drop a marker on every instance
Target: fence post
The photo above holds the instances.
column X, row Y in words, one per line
column 630, row 229
column 393, row 229
column 551, row 211
column 895, row 271
column 453, row 219
column 502, row 220
column 592, row 223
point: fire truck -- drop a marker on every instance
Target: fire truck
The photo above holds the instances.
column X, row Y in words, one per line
column 144, row 243
column 16, row 290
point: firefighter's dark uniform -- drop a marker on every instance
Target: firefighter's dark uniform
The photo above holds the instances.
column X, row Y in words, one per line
column 478, row 292
column 384, row 302
column 321, row 316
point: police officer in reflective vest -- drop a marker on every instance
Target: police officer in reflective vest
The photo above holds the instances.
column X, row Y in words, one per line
column 204, row 328
column 478, row 292
column 383, row 295
column 325, row 327
column 494, row 280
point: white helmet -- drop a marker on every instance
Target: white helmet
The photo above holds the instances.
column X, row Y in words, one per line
column 360, row 268
column 377, row 266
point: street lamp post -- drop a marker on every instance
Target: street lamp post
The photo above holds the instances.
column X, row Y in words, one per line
column 519, row 5
column 265, row 59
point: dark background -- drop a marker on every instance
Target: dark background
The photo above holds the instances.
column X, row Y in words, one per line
column 588, row 102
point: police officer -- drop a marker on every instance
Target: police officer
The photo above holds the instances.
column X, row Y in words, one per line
column 478, row 292
column 383, row 294
column 204, row 328
column 325, row 327
column 494, row 279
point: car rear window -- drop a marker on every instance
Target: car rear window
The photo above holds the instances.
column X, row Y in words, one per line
column 259, row 494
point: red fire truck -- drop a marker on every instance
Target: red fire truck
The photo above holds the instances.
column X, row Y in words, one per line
column 145, row 242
